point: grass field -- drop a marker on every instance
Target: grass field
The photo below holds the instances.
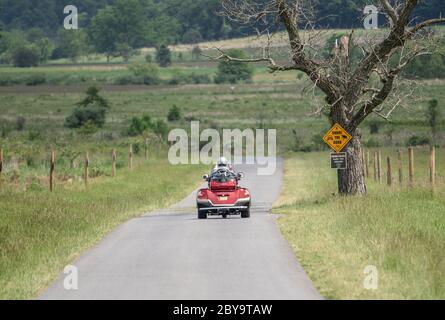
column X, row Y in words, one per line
column 282, row 106
column 119, row 74
column 399, row 230
column 41, row 232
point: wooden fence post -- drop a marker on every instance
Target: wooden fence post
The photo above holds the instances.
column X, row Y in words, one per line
column 114, row 163
column 1, row 165
column 367, row 164
column 86, row 173
column 362, row 152
column 400, row 165
column 375, row 166
column 411, row 164
column 379, row 165
column 52, row 167
column 433, row 166
column 130, row 157
column 389, row 172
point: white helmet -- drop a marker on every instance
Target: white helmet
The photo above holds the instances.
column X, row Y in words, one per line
column 222, row 162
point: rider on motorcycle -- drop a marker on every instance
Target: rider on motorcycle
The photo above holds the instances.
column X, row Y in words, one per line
column 224, row 163
column 223, row 171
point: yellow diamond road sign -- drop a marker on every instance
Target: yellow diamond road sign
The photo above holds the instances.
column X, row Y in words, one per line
column 337, row 138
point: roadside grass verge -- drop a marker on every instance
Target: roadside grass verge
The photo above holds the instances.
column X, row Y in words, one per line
column 399, row 230
column 41, row 232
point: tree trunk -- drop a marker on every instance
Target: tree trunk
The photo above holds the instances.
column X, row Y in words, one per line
column 351, row 181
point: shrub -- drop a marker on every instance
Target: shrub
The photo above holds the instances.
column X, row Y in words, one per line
column 88, row 128
column 128, row 79
column 199, row 78
column 163, row 56
column 35, row 80
column 92, row 110
column 20, row 123
column 25, row 57
column 93, row 97
column 149, row 80
column 180, row 77
column 196, row 52
column 419, row 141
column 202, row 78
column 82, row 115
column 160, row 128
column 148, row 72
column 234, row 71
column 174, row 114
column 144, row 125
column 139, row 125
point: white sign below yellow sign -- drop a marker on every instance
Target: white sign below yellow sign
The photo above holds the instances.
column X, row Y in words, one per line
column 337, row 138
column 339, row 161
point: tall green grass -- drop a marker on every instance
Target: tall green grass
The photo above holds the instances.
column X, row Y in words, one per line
column 400, row 230
column 41, row 232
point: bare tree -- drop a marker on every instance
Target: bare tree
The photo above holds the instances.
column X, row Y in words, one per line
column 353, row 90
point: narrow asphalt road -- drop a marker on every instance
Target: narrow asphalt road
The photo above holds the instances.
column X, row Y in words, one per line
column 171, row 254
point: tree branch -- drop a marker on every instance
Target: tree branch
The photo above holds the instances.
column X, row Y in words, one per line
column 390, row 11
column 302, row 62
column 412, row 31
column 273, row 66
column 369, row 106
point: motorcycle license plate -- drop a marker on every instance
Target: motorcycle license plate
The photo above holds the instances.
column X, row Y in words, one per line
column 223, row 198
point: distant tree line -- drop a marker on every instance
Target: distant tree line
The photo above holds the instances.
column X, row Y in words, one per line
column 114, row 28
column 33, row 34
column 186, row 21
column 158, row 21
